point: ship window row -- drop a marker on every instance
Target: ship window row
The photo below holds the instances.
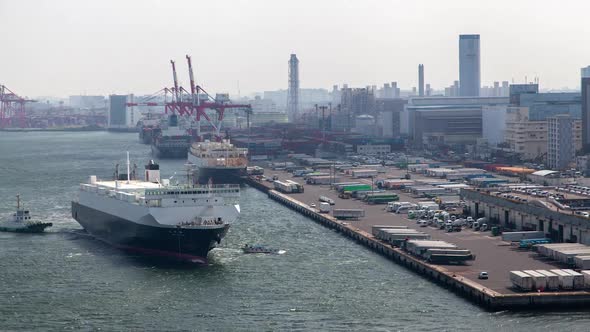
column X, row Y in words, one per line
column 192, row 192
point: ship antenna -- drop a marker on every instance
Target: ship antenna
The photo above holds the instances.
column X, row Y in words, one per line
column 128, row 167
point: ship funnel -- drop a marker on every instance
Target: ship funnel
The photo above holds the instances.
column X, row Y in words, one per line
column 152, row 172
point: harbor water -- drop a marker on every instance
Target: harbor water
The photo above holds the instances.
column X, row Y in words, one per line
column 64, row 280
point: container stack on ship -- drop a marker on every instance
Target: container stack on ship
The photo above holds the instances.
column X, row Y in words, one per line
column 155, row 218
column 149, row 127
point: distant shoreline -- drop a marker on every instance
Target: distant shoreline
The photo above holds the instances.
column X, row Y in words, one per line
column 18, row 130
column 72, row 129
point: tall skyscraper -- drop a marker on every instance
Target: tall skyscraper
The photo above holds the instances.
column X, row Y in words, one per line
column 585, row 71
column 469, row 65
column 293, row 92
column 585, row 115
column 421, row 80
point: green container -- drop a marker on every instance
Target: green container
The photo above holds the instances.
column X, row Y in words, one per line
column 495, row 231
column 356, row 187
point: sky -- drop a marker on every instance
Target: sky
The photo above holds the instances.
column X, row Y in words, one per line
column 69, row 47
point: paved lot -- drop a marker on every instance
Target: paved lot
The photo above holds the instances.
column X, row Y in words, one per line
column 492, row 255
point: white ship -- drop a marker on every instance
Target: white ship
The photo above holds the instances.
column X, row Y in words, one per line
column 217, row 162
column 155, row 218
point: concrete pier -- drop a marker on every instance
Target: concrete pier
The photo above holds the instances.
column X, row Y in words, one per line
column 489, row 298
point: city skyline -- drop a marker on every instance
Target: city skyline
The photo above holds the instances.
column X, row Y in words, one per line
column 94, row 50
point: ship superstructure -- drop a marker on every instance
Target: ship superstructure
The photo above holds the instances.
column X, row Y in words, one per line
column 171, row 142
column 155, row 218
column 217, row 162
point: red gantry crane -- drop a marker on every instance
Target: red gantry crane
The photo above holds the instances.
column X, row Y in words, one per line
column 195, row 102
column 12, row 109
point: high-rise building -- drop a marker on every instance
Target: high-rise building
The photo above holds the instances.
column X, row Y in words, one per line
column 119, row 116
column 560, row 142
column 585, row 115
column 585, row 71
column 469, row 65
column 293, row 92
column 421, row 80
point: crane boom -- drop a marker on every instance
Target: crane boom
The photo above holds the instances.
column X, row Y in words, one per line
column 176, row 89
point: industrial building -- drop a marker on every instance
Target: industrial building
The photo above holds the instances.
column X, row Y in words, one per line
column 432, row 121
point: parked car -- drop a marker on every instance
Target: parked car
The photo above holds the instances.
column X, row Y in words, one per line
column 483, row 275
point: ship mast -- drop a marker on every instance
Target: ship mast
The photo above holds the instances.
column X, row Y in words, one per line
column 128, row 170
column 18, row 201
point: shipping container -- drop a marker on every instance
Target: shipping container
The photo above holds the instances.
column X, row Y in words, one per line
column 551, row 279
column 582, row 262
column 354, row 187
column 324, row 179
column 376, row 228
column 363, row 173
column 380, row 198
column 566, row 280
column 566, row 256
column 444, row 256
column 348, row 213
column 586, row 275
column 539, row 279
column 517, row 236
column 578, row 278
column 521, row 280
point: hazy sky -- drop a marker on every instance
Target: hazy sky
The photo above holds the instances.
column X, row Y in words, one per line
column 63, row 47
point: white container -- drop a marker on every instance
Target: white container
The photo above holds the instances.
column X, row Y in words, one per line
column 552, row 280
column 521, row 280
column 566, row 280
column 586, row 274
column 539, row 280
column 582, row 262
column 578, row 278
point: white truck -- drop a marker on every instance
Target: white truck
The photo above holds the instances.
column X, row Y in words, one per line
column 348, row 213
column 324, row 207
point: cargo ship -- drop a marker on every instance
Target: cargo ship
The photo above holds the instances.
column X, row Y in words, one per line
column 172, row 142
column 217, row 162
column 149, row 127
column 154, row 218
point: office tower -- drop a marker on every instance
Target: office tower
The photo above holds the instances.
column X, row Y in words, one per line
column 585, row 117
column 560, row 142
column 469, row 65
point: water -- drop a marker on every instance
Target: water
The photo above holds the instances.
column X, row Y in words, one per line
column 64, row 280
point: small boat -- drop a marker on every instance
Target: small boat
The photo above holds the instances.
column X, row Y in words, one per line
column 21, row 222
column 259, row 249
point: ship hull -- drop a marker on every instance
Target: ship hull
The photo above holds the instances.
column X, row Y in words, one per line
column 218, row 175
column 174, row 243
column 169, row 152
column 146, row 135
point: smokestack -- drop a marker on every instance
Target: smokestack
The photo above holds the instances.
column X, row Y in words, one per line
column 421, row 80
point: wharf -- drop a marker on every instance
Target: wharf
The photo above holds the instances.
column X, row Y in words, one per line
column 493, row 255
